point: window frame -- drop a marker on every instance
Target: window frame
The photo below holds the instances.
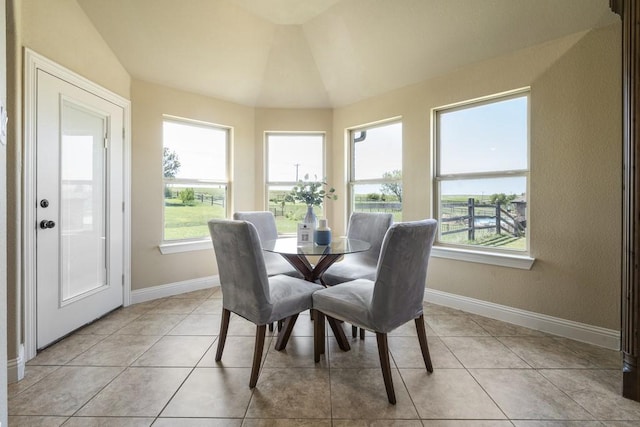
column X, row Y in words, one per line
column 477, row 253
column 352, row 182
column 204, row 242
column 268, row 184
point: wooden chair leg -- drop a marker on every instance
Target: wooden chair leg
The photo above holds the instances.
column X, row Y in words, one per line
column 424, row 346
column 383, row 352
column 222, row 338
column 261, row 331
column 271, row 327
column 341, row 338
column 354, row 332
column 318, row 335
column 285, row 333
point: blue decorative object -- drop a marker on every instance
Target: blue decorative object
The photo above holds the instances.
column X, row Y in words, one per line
column 322, row 234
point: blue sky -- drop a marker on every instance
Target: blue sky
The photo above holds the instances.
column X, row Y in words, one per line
column 485, row 138
column 477, row 139
column 194, row 144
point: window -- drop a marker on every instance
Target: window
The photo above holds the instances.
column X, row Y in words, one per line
column 195, row 177
column 375, row 181
column 291, row 157
column 482, row 171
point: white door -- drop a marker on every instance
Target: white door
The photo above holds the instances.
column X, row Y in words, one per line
column 79, row 212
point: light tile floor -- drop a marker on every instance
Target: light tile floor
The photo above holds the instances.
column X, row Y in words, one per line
column 153, row 364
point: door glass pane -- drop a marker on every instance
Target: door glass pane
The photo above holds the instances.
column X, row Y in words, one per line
column 82, row 201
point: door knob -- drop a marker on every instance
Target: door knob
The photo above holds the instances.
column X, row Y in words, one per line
column 44, row 224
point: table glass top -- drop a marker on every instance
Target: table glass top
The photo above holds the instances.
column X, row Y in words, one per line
column 338, row 246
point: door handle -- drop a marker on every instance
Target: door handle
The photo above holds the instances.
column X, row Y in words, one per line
column 44, row 224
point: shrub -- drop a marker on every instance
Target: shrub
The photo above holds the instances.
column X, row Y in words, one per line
column 188, row 196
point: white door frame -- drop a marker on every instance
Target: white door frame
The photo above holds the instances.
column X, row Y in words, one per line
column 32, row 63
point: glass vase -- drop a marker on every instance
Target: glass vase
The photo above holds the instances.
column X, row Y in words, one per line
column 310, row 217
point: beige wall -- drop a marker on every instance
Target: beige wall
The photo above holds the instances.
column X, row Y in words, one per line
column 575, row 180
column 62, row 32
column 149, row 102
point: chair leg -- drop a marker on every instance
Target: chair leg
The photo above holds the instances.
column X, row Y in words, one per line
column 285, row 333
column 424, row 346
column 383, row 352
column 341, row 338
column 318, row 335
column 271, row 327
column 222, row 338
column 354, row 332
column 261, row 330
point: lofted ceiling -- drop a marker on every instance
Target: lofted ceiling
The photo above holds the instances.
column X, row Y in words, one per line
column 323, row 53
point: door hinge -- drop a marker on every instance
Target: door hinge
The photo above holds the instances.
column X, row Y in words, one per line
column 123, row 134
column 122, row 206
column 106, row 141
column 123, row 280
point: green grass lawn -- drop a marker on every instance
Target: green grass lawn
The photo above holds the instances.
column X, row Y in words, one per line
column 188, row 222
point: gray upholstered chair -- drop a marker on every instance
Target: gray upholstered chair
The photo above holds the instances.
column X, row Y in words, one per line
column 370, row 227
column 249, row 292
column 392, row 300
column 265, row 223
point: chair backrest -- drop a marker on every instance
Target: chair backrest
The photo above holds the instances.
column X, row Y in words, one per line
column 402, row 270
column 370, row 227
column 243, row 276
column 264, row 221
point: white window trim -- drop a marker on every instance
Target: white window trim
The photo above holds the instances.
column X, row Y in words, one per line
column 513, row 259
column 197, row 243
column 268, row 183
column 175, row 247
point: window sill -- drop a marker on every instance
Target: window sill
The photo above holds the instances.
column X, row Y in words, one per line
column 522, row 262
column 178, row 247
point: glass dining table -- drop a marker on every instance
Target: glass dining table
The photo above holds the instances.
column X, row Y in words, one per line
column 324, row 255
column 298, row 254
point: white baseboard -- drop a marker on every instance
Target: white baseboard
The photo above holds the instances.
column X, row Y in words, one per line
column 15, row 367
column 595, row 335
column 170, row 289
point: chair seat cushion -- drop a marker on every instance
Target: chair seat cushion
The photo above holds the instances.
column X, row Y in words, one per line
column 347, row 301
column 276, row 264
column 351, row 268
column 289, row 296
